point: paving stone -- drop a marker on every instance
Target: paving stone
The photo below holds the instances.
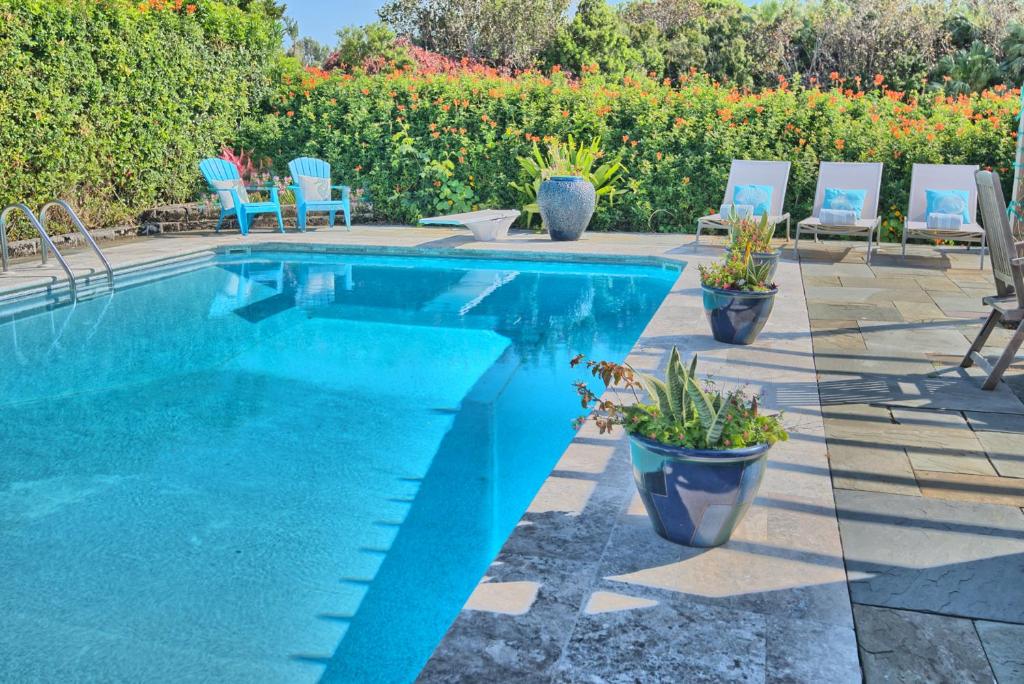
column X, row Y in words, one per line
column 982, row 489
column 995, row 422
column 937, row 283
column 858, row 312
column 919, row 311
column 707, row 643
column 904, row 646
column 867, row 295
column 956, row 558
column 934, row 336
column 1004, row 646
column 869, row 363
column 836, row 269
column 958, row 303
column 1005, row 450
column 844, row 337
column 900, row 283
column 806, row 651
column 821, row 281
column 872, row 468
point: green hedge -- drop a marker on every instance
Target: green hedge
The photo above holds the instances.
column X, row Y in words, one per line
column 413, row 139
column 111, row 104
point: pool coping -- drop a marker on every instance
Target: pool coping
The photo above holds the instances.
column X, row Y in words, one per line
column 583, row 589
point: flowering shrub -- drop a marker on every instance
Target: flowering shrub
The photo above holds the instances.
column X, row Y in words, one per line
column 406, row 136
column 737, row 271
column 112, row 103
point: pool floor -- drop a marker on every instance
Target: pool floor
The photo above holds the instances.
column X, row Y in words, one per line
column 285, row 467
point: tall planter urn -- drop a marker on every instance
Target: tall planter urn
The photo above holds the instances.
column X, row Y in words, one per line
column 566, row 206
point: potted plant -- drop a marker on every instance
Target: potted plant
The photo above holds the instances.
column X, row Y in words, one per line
column 738, row 296
column 565, row 185
column 698, row 453
column 757, row 234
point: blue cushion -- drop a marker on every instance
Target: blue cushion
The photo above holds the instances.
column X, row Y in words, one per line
column 948, row 202
column 844, row 200
column 757, row 196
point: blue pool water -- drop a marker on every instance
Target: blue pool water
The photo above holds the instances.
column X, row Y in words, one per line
column 283, row 466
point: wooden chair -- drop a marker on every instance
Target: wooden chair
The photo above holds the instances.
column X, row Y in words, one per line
column 1008, row 270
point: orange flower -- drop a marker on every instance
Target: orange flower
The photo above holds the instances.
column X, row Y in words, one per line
column 658, row 156
column 625, row 138
column 190, row 9
column 879, row 78
column 833, row 76
column 359, row 167
column 289, row 113
column 725, row 114
column 840, row 143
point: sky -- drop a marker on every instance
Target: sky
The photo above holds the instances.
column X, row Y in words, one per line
column 320, row 19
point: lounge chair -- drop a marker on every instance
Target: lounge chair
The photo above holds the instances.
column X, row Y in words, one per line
column 222, row 178
column 1008, row 270
column 311, row 180
column 745, row 172
column 943, row 177
column 833, row 213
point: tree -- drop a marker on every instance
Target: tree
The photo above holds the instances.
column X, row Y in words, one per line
column 309, row 51
column 1013, row 55
column 595, row 36
column 357, row 45
column 966, row 71
column 510, row 33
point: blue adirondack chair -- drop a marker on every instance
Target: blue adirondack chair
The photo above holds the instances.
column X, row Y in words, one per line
column 317, row 168
column 214, row 169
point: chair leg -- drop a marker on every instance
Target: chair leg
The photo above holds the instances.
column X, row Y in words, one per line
column 696, row 240
column 796, row 243
column 243, row 221
column 867, row 260
column 904, row 253
column 220, row 220
column 979, row 341
column 348, row 216
column 330, row 218
column 280, row 221
column 1005, row 359
column 788, row 227
column 981, row 263
column 300, row 218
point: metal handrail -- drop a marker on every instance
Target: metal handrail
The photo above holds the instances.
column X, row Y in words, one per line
column 81, row 229
column 43, row 236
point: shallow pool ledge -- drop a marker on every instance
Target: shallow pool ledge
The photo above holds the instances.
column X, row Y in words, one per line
column 584, row 590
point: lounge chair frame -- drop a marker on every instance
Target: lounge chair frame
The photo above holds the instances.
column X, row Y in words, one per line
column 848, row 176
column 943, row 177
column 752, row 172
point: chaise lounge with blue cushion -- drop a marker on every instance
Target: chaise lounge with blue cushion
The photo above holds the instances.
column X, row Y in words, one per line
column 311, row 182
column 223, row 179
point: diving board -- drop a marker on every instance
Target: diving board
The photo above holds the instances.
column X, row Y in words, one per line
column 488, row 225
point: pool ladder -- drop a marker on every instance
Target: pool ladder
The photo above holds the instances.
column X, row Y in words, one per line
column 46, row 242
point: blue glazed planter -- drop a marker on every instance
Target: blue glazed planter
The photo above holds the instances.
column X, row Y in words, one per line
column 737, row 317
column 696, row 497
column 566, row 206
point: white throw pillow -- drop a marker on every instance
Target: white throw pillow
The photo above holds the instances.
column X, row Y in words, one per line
column 940, row 221
column 315, row 189
column 224, row 186
column 838, row 217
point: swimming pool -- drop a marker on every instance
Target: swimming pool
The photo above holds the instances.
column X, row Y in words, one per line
column 284, row 466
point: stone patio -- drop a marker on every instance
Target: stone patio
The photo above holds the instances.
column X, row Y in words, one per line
column 902, row 489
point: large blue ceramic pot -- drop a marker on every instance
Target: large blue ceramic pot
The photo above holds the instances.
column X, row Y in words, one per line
column 566, row 206
column 696, row 497
column 737, row 317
